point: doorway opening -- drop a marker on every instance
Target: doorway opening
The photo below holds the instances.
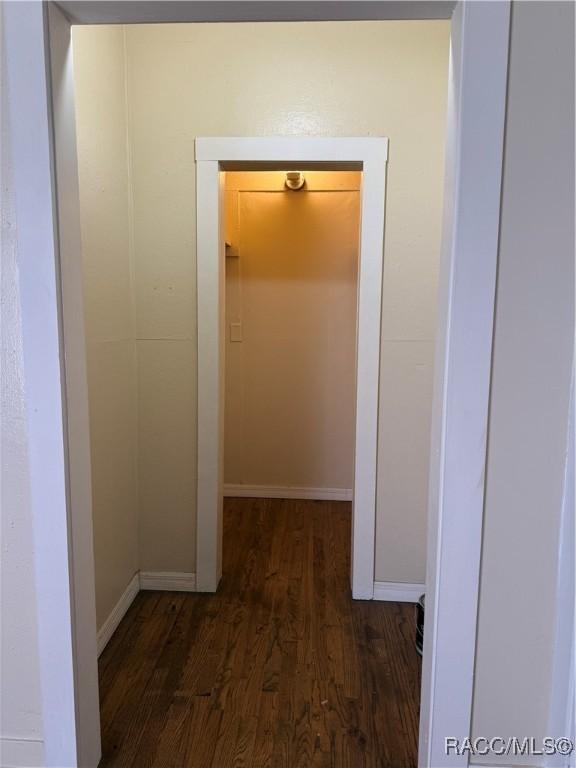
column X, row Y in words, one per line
column 291, row 262
column 214, row 157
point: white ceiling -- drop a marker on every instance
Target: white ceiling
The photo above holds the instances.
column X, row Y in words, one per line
column 163, row 11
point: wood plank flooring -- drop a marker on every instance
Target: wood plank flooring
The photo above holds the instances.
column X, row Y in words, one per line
column 279, row 669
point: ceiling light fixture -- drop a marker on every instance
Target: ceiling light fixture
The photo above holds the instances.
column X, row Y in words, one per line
column 295, row 180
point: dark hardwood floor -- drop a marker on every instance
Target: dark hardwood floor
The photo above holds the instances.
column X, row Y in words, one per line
column 280, row 668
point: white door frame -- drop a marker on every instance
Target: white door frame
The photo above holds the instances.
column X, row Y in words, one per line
column 47, row 224
column 214, row 155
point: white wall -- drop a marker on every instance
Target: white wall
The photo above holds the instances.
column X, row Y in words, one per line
column 533, row 354
column 20, row 703
column 106, row 223
column 292, row 284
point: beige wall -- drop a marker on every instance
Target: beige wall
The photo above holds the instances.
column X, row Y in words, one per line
column 347, row 79
column 105, row 203
column 291, row 283
column 184, row 81
column 533, row 355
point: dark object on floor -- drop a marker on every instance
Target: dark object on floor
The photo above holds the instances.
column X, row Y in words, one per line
column 420, row 624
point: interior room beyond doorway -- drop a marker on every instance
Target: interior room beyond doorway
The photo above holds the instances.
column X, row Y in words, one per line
column 291, row 303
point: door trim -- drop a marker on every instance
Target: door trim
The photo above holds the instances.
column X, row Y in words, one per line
column 215, row 155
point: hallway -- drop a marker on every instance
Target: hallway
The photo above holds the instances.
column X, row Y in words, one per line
column 280, row 668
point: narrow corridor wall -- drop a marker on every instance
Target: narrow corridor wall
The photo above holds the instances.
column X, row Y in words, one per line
column 106, row 224
column 21, row 731
column 530, row 390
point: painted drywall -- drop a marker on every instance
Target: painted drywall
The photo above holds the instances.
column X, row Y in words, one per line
column 533, row 357
column 291, row 283
column 373, row 78
column 501, row 695
column 106, row 225
column 20, row 699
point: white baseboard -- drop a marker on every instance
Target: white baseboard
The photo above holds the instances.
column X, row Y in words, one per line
column 501, row 765
column 161, row 580
column 118, row 612
column 21, row 753
column 287, row 492
column 168, row 580
column 398, row 591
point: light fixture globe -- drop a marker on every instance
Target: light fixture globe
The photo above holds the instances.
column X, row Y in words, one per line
column 295, row 180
